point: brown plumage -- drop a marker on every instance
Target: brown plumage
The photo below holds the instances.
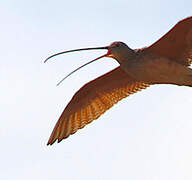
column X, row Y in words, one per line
column 92, row 100
column 165, row 61
column 176, row 44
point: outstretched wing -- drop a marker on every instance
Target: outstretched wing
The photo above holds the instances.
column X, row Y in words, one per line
column 92, row 100
column 176, row 44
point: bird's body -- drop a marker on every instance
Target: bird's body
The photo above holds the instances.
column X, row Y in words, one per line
column 164, row 62
column 153, row 69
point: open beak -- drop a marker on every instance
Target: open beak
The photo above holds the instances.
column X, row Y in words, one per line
column 108, row 54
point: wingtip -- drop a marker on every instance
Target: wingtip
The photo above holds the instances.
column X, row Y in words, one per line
column 50, row 142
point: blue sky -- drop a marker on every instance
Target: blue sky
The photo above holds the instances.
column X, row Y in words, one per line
column 146, row 136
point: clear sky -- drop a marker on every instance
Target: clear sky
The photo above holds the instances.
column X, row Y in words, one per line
column 147, row 136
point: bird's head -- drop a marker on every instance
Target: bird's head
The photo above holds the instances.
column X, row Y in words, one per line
column 116, row 50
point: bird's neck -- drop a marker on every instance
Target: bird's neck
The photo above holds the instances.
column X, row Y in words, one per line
column 126, row 56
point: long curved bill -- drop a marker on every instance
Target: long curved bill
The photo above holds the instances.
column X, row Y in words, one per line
column 82, row 49
column 95, row 48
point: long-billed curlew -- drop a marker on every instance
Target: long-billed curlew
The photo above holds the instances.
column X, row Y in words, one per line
column 164, row 62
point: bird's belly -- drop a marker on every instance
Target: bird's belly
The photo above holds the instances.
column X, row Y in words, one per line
column 158, row 70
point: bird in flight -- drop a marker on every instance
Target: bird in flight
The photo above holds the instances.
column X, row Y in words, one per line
column 166, row 61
